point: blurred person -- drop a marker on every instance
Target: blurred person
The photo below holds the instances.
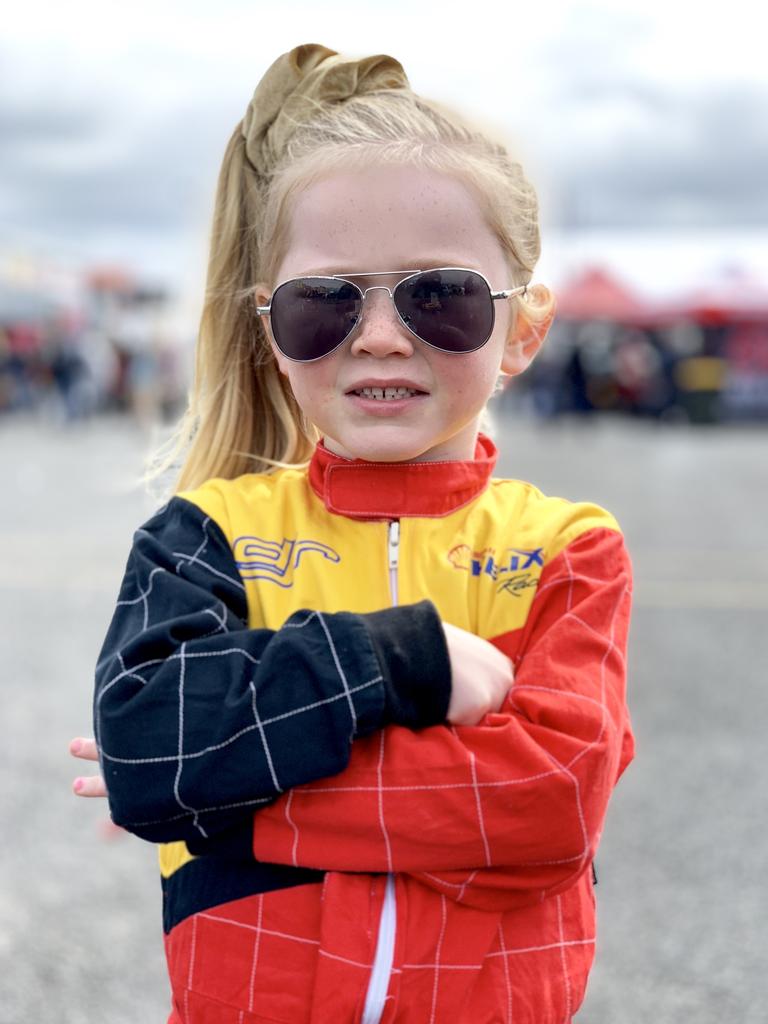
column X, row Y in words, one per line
column 678, row 340
column 746, row 378
column 576, row 383
column 102, row 368
column 69, row 371
column 700, row 383
column 6, row 372
column 370, row 701
column 591, row 376
column 135, row 335
column 697, row 370
column 24, row 365
column 638, row 370
column 545, row 382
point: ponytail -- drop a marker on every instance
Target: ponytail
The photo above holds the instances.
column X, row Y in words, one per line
column 242, row 416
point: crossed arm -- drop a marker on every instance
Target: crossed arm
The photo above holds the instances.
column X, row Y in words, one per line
column 502, row 811
column 200, row 719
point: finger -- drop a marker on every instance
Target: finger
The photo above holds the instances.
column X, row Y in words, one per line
column 109, row 830
column 89, row 785
column 84, row 748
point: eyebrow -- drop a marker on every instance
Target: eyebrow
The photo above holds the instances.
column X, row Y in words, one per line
column 351, row 270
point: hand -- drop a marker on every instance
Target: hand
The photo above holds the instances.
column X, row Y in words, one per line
column 482, row 676
column 90, row 785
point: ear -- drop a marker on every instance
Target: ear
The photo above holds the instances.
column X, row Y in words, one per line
column 261, row 297
column 523, row 342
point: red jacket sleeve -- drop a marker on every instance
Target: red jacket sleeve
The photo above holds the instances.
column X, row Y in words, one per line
column 509, row 811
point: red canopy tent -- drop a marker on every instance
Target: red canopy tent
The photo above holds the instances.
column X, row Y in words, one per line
column 595, row 294
column 733, row 298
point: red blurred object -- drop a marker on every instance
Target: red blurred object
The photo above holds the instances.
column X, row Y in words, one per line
column 24, row 339
column 595, row 294
column 109, row 279
column 735, row 298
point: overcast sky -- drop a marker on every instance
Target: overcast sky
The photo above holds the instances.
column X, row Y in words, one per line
column 636, row 116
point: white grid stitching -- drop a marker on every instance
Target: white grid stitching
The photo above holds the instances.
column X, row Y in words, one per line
column 203, row 545
column 430, row 787
column 216, row 572
column 257, row 928
column 292, row 823
column 519, row 951
column 256, row 944
column 543, row 948
column 241, row 732
column 143, row 595
column 507, row 979
column 190, row 972
column 339, row 669
column 486, row 845
column 263, row 735
column 566, row 976
column 381, row 801
column 438, row 951
column 186, row 807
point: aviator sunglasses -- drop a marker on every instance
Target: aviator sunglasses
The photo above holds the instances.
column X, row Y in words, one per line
column 450, row 309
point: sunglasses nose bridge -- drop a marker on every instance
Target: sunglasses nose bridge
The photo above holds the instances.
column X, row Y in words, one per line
column 377, row 288
column 374, row 330
column 383, row 307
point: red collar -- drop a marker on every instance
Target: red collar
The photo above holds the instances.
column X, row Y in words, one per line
column 389, row 490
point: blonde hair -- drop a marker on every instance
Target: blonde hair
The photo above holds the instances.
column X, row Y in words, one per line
column 242, row 416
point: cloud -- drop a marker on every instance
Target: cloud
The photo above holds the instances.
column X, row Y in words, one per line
column 118, row 135
column 691, row 160
column 76, row 167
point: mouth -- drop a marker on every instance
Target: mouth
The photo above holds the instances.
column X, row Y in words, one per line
column 393, row 390
column 386, row 394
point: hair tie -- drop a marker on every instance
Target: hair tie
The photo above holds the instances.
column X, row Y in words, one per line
column 298, row 83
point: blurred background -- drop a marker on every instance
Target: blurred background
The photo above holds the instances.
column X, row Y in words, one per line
column 643, row 127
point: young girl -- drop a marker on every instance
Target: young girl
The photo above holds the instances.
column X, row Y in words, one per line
column 368, row 698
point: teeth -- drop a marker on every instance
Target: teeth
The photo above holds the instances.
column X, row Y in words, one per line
column 386, row 393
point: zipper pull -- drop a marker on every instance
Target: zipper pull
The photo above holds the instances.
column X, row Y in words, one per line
column 394, row 540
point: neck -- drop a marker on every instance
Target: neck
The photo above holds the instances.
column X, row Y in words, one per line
column 391, row 446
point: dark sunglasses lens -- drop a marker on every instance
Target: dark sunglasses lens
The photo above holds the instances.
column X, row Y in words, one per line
column 450, row 309
column 311, row 316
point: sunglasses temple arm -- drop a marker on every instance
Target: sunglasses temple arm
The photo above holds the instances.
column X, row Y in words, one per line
column 509, row 292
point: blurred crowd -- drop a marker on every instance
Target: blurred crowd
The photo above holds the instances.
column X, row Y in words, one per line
column 699, row 359
column 117, row 353
column 681, row 372
column 704, row 360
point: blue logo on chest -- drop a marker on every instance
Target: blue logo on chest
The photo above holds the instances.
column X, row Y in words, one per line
column 276, row 561
column 488, row 563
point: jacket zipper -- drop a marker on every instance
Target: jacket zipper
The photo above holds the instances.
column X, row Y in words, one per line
column 385, row 943
column 393, row 545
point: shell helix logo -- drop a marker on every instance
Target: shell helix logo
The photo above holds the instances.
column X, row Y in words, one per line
column 277, row 561
column 515, row 570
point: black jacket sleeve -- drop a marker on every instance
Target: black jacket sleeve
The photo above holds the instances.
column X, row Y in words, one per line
column 198, row 718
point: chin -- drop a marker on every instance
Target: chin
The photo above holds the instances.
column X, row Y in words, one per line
column 379, row 449
column 386, row 453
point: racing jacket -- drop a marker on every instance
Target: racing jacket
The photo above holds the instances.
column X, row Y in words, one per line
column 270, row 707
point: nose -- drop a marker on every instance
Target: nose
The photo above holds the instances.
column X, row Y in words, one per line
column 380, row 332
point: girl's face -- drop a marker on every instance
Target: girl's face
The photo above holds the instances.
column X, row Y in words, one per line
column 397, row 218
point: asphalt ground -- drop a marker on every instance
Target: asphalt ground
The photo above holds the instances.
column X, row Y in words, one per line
column 681, row 894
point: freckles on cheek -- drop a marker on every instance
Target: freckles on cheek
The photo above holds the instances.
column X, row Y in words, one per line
column 473, row 380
